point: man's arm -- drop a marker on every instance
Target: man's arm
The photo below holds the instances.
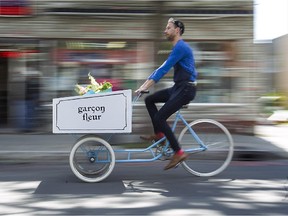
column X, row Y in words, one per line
column 175, row 56
column 146, row 85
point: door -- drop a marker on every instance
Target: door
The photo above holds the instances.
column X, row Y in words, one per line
column 3, row 90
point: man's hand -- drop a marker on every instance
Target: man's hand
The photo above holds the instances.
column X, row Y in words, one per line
column 144, row 88
column 141, row 90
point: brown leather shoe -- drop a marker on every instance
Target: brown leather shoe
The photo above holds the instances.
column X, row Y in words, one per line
column 176, row 159
column 153, row 137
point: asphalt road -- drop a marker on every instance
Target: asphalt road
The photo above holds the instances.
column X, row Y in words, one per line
column 244, row 188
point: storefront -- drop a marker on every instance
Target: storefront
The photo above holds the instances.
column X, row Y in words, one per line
column 20, row 61
column 124, row 45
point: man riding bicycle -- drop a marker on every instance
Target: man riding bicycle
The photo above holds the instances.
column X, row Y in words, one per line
column 181, row 93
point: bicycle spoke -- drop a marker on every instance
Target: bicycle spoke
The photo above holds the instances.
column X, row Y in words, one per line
column 217, row 141
column 92, row 159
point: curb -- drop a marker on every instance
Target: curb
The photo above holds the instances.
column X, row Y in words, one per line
column 254, row 155
column 63, row 157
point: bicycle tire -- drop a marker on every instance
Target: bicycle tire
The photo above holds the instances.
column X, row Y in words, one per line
column 219, row 144
column 92, row 159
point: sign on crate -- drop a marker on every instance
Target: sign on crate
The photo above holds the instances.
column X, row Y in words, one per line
column 97, row 113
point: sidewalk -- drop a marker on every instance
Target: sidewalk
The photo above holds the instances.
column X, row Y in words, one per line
column 277, row 136
column 270, row 142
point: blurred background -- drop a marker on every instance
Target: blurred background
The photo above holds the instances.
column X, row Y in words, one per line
column 46, row 47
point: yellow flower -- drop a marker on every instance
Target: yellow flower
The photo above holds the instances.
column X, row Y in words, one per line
column 93, row 81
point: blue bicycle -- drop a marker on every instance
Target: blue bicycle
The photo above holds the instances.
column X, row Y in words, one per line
column 208, row 143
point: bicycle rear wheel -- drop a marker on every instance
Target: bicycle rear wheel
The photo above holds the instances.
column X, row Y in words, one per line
column 218, row 148
column 92, row 159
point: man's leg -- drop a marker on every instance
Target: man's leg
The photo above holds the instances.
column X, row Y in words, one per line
column 150, row 102
column 178, row 98
column 160, row 119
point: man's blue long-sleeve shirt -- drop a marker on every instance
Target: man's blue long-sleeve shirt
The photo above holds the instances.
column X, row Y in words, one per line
column 182, row 59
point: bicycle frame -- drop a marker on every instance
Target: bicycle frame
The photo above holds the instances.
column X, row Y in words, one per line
column 165, row 150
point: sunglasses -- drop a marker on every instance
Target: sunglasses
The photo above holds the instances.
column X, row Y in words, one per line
column 177, row 24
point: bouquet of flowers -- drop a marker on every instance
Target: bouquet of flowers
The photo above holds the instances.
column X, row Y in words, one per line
column 93, row 87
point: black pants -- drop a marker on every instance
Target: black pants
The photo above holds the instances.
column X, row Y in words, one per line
column 173, row 98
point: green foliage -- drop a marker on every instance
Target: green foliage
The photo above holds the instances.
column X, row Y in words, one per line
column 94, row 86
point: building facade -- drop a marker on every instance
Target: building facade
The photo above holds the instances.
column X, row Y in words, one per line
column 58, row 43
column 280, row 62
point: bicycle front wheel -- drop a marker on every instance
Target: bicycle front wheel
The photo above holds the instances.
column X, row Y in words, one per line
column 92, row 159
column 210, row 147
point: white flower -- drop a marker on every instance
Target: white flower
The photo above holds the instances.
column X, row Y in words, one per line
column 94, row 86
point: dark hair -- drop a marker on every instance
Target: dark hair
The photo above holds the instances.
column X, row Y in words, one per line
column 178, row 24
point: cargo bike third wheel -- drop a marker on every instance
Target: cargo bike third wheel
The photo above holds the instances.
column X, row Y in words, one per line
column 92, row 159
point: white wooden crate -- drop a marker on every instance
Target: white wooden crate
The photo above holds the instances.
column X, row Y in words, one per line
column 109, row 112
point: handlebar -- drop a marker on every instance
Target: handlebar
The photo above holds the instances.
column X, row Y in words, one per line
column 139, row 95
column 144, row 92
